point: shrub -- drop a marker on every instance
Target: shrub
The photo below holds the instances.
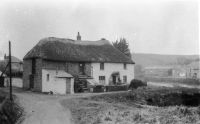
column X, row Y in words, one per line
column 137, row 83
column 98, row 88
column 117, row 88
column 10, row 112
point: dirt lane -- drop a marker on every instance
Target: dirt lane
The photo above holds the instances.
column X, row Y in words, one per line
column 43, row 109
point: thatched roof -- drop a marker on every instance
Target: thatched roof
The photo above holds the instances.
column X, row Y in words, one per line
column 60, row 49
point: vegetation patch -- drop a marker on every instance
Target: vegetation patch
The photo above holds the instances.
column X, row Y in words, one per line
column 10, row 112
column 136, row 107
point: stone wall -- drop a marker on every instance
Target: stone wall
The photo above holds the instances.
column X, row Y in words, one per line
column 88, row 69
column 37, row 79
column 38, row 76
column 68, row 86
column 73, row 68
column 70, row 67
column 53, row 65
column 27, row 64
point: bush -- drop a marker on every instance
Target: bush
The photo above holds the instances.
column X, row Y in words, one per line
column 98, row 88
column 10, row 112
column 137, row 83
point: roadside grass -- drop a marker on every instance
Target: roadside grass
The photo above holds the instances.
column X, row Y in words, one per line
column 2, row 96
column 135, row 107
column 10, row 112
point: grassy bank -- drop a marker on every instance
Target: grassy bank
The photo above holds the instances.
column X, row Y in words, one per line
column 10, row 112
column 135, row 107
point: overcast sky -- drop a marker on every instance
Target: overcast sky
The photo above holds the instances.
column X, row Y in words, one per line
column 150, row 26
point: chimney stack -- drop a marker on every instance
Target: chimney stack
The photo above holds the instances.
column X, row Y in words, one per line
column 78, row 36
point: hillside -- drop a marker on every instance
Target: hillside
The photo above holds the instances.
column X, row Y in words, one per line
column 162, row 60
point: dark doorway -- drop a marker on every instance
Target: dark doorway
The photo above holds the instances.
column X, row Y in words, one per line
column 82, row 68
column 114, row 79
column 31, row 78
column 33, row 66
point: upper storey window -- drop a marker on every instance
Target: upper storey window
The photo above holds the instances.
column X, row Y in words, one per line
column 101, row 66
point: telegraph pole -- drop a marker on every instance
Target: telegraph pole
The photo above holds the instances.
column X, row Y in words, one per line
column 10, row 70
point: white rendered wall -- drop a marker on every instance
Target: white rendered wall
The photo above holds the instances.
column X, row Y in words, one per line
column 57, row 85
column 16, row 82
column 109, row 68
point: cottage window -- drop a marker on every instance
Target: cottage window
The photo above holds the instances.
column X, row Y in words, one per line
column 101, row 66
column 47, row 77
column 125, row 66
column 124, row 79
column 102, row 79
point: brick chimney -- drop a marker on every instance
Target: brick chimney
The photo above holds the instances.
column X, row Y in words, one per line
column 78, row 36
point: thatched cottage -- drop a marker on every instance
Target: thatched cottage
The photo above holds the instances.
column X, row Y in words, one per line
column 54, row 64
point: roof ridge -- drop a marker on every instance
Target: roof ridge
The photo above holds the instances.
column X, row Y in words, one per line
column 67, row 40
column 63, row 49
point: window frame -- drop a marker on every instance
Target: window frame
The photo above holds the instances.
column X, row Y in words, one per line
column 48, row 77
column 125, row 79
column 125, row 66
column 101, row 66
column 102, row 79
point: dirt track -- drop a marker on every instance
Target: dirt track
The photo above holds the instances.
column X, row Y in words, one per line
column 42, row 109
column 45, row 109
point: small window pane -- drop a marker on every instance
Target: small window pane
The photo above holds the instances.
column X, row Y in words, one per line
column 102, row 79
column 47, row 77
column 101, row 66
column 124, row 79
column 124, row 65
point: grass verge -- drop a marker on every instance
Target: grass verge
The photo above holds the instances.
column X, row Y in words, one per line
column 132, row 108
column 10, row 111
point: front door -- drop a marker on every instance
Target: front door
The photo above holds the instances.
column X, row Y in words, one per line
column 114, row 79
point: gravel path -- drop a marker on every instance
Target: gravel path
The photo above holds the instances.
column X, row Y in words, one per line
column 43, row 109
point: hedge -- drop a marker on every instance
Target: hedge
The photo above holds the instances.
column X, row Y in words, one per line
column 116, row 88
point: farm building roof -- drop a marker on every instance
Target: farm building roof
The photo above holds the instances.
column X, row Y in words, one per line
column 13, row 59
column 60, row 49
column 195, row 65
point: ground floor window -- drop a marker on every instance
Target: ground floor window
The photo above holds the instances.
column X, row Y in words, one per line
column 102, row 79
column 124, row 79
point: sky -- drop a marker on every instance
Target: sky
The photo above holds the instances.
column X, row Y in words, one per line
column 150, row 26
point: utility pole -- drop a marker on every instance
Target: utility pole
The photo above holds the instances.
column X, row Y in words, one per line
column 10, row 70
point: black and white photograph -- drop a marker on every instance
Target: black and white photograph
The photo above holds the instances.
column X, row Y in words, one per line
column 99, row 62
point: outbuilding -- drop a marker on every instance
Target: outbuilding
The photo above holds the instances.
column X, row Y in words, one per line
column 57, row 81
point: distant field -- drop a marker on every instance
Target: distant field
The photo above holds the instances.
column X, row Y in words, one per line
column 187, row 81
column 158, row 59
column 145, row 105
